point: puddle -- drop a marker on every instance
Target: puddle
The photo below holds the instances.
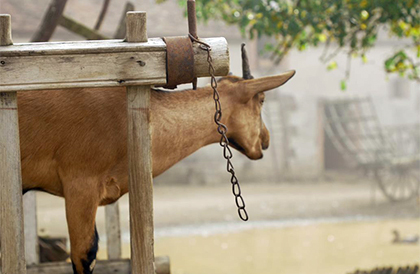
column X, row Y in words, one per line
column 306, row 248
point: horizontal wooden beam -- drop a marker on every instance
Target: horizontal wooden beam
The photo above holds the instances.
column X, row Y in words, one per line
column 122, row 266
column 31, row 66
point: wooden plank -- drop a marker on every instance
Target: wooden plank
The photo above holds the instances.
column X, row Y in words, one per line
column 45, row 86
column 11, row 210
column 140, row 161
column 81, row 47
column 97, row 64
column 49, row 21
column 31, row 228
column 113, row 231
column 108, row 69
column 102, row 267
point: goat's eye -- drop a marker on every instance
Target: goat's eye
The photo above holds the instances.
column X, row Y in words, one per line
column 262, row 101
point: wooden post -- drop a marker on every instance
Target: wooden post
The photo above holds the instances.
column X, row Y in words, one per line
column 113, row 231
column 31, row 228
column 140, row 161
column 11, row 212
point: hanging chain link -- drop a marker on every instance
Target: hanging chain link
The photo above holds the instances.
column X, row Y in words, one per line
column 222, row 129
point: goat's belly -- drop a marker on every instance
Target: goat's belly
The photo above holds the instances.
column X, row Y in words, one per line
column 41, row 175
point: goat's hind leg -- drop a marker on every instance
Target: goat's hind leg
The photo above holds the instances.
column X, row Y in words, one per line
column 81, row 205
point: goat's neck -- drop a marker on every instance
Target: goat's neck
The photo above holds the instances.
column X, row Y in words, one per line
column 182, row 122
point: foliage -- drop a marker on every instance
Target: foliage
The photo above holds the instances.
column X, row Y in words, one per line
column 340, row 25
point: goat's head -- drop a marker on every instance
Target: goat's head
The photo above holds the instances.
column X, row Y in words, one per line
column 247, row 132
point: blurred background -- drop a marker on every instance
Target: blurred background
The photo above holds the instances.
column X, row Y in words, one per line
column 338, row 189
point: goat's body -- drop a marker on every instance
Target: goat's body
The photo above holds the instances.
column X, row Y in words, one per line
column 74, row 143
column 67, row 134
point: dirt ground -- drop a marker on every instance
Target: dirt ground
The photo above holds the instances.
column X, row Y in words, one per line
column 313, row 227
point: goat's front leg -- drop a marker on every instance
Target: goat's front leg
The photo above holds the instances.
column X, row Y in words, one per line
column 81, row 205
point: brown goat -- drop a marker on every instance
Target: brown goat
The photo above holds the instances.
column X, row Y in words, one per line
column 74, row 142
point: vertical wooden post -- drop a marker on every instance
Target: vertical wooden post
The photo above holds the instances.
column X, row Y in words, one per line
column 31, row 228
column 321, row 138
column 140, row 161
column 11, row 212
column 113, row 231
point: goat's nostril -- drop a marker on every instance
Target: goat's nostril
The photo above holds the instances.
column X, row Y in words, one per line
column 264, row 146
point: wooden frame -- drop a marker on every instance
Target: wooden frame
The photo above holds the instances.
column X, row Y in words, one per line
column 136, row 63
column 97, row 64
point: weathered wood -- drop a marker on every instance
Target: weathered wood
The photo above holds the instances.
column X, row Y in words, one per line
column 5, row 30
column 31, row 228
column 162, row 264
column 85, row 70
column 219, row 53
column 11, row 212
column 122, row 27
column 136, row 26
column 140, row 161
column 140, row 179
column 49, row 21
column 96, row 64
column 113, row 231
column 81, row 47
column 102, row 267
column 102, row 14
column 11, row 208
column 80, row 29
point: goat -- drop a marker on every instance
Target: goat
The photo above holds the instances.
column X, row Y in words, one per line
column 74, row 142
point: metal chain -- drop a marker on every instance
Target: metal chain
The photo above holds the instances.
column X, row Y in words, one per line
column 222, row 129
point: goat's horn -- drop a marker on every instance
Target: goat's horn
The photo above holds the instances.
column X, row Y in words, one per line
column 246, row 72
column 267, row 83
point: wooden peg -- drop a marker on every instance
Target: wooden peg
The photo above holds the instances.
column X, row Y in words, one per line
column 136, row 26
column 5, row 30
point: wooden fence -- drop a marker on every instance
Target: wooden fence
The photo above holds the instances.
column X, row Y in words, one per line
column 40, row 66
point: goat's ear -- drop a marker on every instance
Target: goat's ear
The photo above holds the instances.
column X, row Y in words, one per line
column 254, row 86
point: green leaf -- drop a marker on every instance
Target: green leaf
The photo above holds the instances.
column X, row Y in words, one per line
column 343, row 85
column 332, row 65
column 364, row 58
